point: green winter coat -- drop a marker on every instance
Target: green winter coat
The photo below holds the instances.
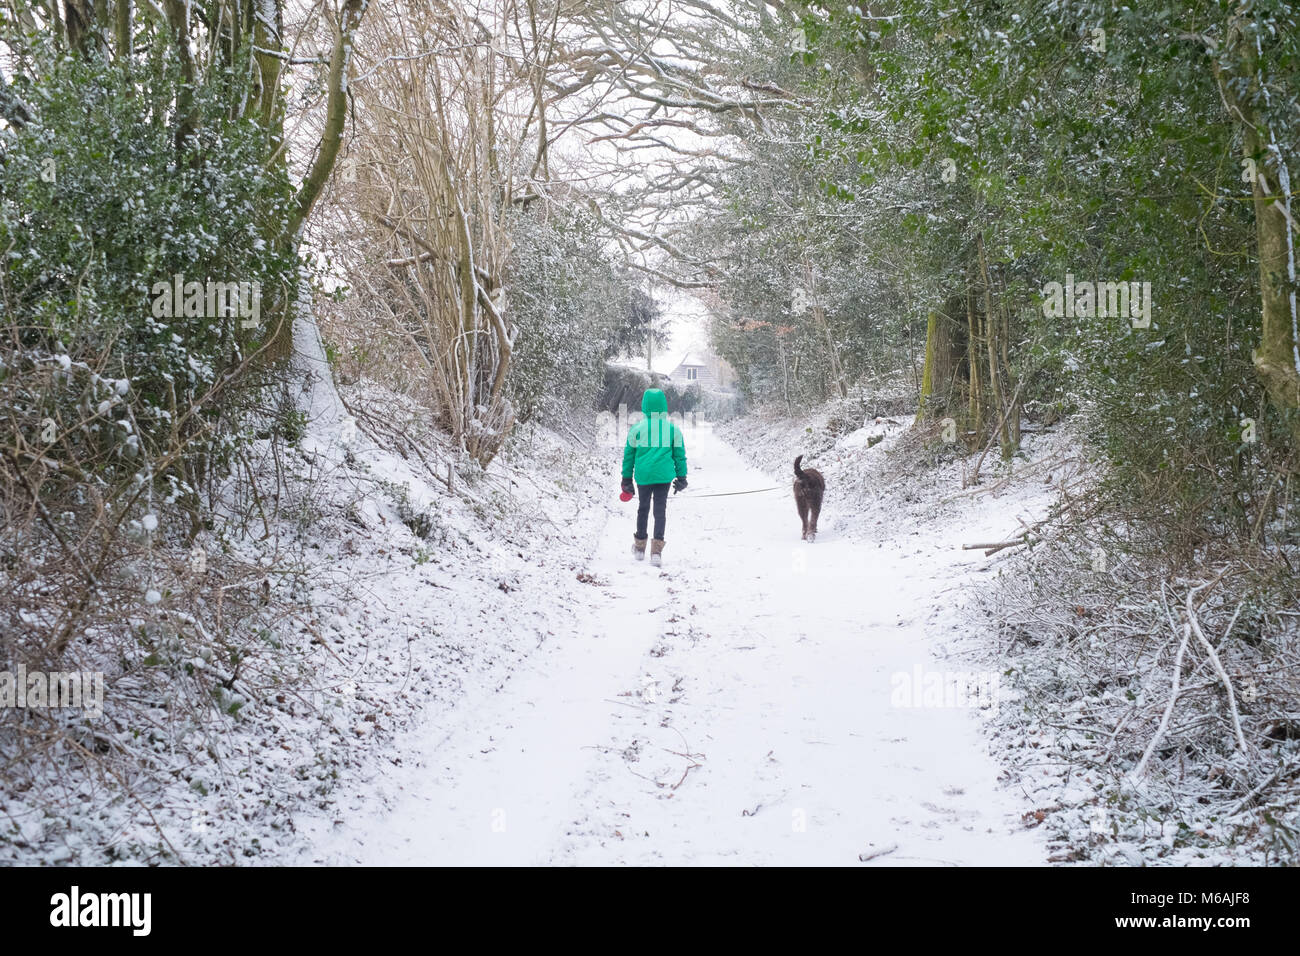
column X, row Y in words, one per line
column 655, row 452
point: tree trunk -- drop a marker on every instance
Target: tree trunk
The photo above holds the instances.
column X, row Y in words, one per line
column 942, row 357
column 1013, row 413
column 924, row 409
column 178, row 12
column 975, row 408
column 122, row 31
column 1277, row 360
column 819, row 315
column 269, row 42
column 991, row 335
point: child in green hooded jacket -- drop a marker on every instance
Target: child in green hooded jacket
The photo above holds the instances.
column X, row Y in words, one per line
column 655, row 455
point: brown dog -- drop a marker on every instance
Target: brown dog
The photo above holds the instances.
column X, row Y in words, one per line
column 809, row 486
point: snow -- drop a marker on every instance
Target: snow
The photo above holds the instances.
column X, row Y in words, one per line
column 475, row 670
column 866, row 436
column 735, row 707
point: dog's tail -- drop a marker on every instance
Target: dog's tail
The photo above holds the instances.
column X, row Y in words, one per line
column 798, row 472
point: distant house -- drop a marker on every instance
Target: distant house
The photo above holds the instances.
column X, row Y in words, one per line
column 691, row 369
column 703, row 369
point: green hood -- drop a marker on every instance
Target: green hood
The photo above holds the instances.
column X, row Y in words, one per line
column 654, row 400
column 655, row 452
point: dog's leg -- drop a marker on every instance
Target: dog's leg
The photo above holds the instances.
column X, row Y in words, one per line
column 801, row 502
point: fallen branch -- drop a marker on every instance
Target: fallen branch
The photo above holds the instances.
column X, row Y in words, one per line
column 1214, row 659
column 1250, row 798
column 995, row 435
column 993, row 548
column 873, row 854
column 1025, row 472
column 1140, row 769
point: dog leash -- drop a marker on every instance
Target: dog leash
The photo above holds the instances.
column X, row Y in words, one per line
column 726, row 494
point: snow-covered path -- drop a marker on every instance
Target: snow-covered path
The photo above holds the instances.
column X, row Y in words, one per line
column 735, row 707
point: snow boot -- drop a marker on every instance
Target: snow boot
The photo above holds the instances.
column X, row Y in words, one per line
column 638, row 548
column 657, row 551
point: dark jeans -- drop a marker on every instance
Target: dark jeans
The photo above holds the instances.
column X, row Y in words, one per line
column 660, row 495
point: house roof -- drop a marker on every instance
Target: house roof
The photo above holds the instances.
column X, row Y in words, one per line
column 665, row 363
